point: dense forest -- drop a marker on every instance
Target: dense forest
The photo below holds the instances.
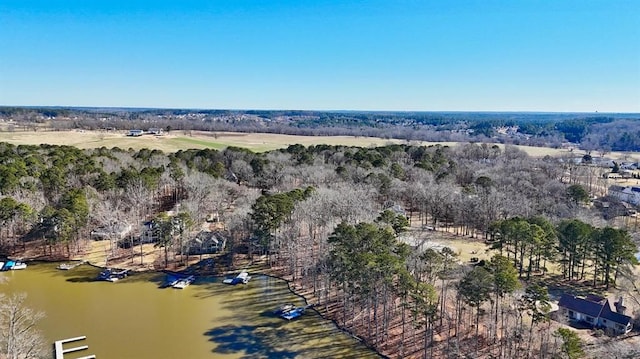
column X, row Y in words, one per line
column 601, row 132
column 337, row 221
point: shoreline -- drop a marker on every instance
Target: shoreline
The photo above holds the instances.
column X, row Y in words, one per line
column 335, row 322
column 220, row 275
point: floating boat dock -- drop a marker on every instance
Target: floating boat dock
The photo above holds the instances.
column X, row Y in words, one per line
column 184, row 282
column 294, row 313
column 243, row 278
column 69, row 266
column 285, row 308
column 60, row 351
column 112, row 275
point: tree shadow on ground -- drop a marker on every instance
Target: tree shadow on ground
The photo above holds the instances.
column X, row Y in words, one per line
column 558, row 286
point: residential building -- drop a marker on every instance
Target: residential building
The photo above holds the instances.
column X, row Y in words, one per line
column 207, row 242
column 116, row 230
column 629, row 194
column 596, row 312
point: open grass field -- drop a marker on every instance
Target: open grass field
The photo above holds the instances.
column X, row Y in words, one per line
column 179, row 140
column 258, row 142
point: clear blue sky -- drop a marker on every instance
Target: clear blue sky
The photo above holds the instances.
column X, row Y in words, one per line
column 485, row 55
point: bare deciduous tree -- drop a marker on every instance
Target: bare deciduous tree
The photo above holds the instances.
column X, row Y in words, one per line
column 19, row 338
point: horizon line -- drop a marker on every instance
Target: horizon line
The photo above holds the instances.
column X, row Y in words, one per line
column 314, row 110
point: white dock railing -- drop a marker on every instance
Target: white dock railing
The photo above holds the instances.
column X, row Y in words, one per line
column 60, row 351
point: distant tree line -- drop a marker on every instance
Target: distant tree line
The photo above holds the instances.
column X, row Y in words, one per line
column 618, row 132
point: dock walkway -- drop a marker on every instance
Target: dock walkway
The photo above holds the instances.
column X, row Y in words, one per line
column 60, row 351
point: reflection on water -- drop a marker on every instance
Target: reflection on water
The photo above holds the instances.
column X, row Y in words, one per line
column 135, row 318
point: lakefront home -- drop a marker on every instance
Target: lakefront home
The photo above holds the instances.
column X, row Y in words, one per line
column 597, row 312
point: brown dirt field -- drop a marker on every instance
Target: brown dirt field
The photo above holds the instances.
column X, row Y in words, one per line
column 464, row 246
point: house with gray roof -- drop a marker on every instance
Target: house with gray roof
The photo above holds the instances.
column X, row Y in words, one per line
column 207, row 242
column 629, row 194
column 596, row 312
column 115, row 230
column 135, row 133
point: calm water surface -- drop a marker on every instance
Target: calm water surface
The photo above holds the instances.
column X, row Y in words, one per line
column 136, row 319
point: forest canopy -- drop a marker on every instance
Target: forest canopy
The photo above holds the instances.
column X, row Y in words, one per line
column 334, row 220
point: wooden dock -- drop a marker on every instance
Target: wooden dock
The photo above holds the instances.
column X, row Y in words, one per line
column 60, row 351
column 70, row 266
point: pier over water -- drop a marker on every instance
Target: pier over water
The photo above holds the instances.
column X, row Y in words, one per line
column 61, row 351
column 139, row 317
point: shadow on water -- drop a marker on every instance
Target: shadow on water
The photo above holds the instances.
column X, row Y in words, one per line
column 286, row 340
column 87, row 273
column 254, row 342
column 268, row 335
column 81, row 279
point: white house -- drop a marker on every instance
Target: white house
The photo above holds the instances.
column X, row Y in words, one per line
column 135, row 133
column 629, row 194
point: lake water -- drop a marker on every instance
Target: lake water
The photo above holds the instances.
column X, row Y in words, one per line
column 135, row 318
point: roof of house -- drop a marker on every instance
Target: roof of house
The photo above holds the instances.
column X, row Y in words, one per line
column 580, row 305
column 209, row 236
column 116, row 228
column 593, row 306
column 609, row 314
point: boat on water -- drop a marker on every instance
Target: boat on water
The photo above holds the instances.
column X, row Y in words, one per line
column 243, row 278
column 184, row 282
column 13, row 265
column 19, row 265
column 112, row 275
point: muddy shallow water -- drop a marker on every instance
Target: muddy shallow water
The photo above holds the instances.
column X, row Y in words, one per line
column 136, row 318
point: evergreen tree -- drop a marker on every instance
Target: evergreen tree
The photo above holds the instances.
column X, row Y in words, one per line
column 475, row 288
column 571, row 343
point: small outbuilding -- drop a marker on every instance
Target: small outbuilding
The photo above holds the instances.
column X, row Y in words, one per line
column 135, row 133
